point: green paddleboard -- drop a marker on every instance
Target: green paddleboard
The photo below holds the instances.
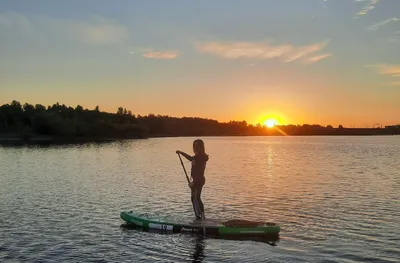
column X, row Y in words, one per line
column 210, row 226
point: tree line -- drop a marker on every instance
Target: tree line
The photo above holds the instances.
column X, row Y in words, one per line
column 60, row 120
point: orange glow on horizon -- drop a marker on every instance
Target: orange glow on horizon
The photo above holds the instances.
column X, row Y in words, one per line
column 270, row 123
column 270, row 120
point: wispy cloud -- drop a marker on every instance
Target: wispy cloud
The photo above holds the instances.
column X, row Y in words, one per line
column 390, row 70
column 396, row 36
column 169, row 54
column 95, row 30
column 100, row 32
column 16, row 21
column 325, row 3
column 385, row 22
column 300, row 52
column 259, row 50
column 317, row 58
column 368, row 7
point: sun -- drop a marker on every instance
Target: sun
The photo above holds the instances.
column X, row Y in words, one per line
column 270, row 123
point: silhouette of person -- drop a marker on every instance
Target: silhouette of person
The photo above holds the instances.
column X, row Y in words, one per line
column 199, row 161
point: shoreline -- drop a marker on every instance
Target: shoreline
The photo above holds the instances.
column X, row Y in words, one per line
column 56, row 140
column 16, row 140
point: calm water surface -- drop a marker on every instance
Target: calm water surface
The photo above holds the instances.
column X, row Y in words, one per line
column 336, row 199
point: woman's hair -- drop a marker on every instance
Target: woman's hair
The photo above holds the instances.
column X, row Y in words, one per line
column 199, row 145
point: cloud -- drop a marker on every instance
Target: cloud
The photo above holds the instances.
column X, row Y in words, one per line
column 325, row 4
column 368, row 7
column 317, row 58
column 303, row 51
column 100, row 33
column 391, row 70
column 395, row 37
column 94, row 30
column 259, row 50
column 15, row 21
column 385, row 22
column 170, row 54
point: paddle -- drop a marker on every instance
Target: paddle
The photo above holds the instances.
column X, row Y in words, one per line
column 196, row 202
column 187, row 177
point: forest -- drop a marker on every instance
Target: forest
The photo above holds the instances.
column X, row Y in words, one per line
column 61, row 121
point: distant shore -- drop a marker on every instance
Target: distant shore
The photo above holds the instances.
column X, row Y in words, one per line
column 62, row 124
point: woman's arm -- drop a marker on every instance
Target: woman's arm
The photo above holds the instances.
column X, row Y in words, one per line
column 187, row 156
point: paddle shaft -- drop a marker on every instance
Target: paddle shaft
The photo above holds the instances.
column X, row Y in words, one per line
column 187, row 177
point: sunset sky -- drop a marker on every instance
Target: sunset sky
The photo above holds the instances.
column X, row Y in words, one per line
column 297, row 61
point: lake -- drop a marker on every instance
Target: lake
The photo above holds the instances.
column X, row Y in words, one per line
column 337, row 199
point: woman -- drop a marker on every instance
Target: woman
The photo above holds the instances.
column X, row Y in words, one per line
column 199, row 161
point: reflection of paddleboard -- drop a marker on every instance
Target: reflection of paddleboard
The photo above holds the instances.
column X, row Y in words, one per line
column 212, row 227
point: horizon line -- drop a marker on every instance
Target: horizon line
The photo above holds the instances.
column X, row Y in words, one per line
column 380, row 125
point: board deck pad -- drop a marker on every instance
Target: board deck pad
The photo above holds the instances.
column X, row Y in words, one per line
column 206, row 222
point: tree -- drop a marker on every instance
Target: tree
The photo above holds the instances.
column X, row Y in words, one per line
column 3, row 119
column 16, row 105
column 120, row 111
column 28, row 107
column 40, row 108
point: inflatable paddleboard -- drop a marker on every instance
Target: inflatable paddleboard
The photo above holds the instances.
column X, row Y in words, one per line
column 210, row 226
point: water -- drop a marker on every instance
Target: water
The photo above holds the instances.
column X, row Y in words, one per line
column 336, row 199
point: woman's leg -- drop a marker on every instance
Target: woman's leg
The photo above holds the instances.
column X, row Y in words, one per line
column 198, row 197
column 195, row 202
